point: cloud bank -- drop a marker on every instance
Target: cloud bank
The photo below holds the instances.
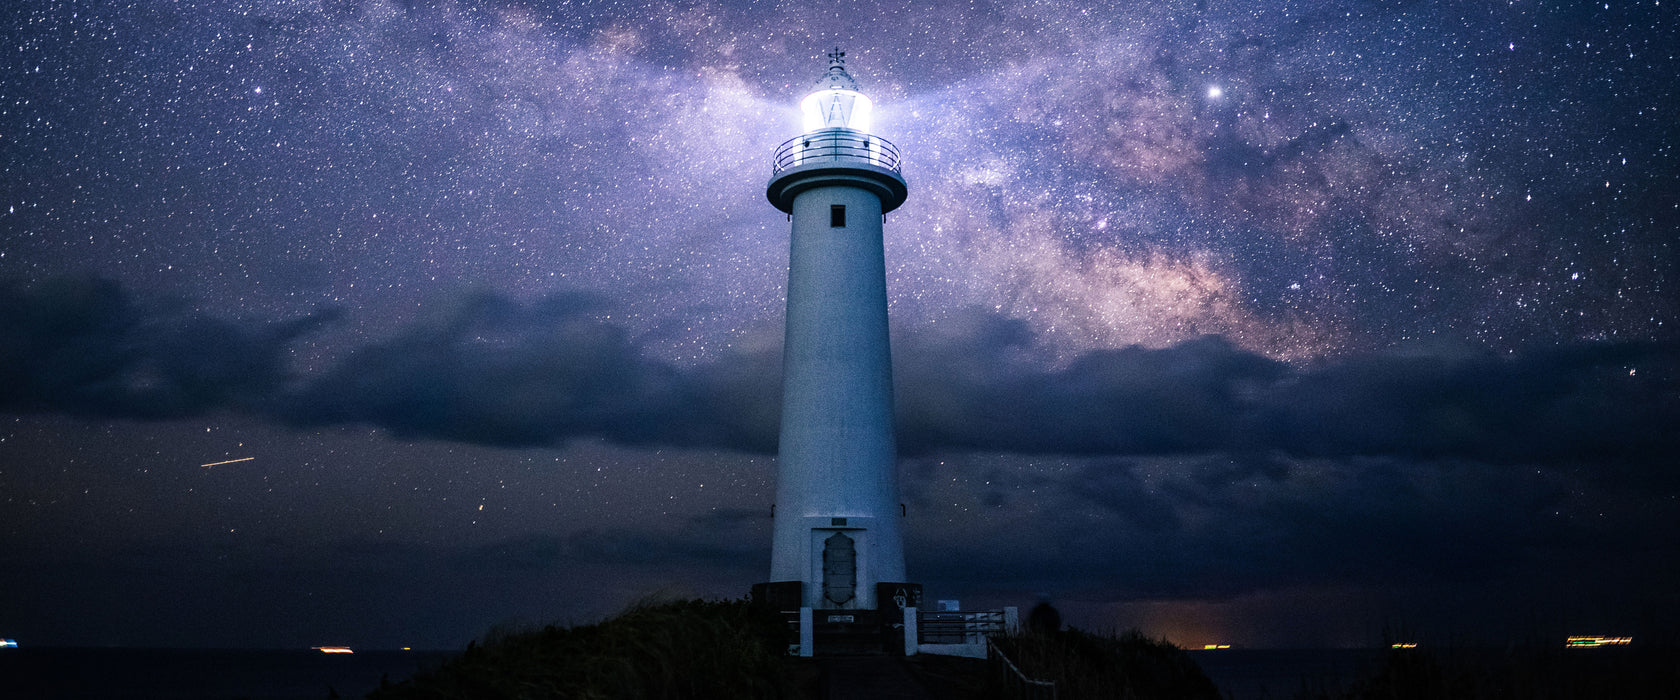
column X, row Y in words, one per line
column 490, row 370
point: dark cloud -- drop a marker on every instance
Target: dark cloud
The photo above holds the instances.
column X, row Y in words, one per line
column 1186, row 398
column 1587, row 403
column 84, row 346
column 1590, row 403
column 1160, row 528
column 1114, row 487
column 485, row 369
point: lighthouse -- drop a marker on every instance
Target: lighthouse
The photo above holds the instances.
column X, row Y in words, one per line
column 837, row 515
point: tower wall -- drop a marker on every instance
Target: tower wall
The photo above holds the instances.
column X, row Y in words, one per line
column 837, row 469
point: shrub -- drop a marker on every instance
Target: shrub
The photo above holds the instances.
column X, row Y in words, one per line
column 656, row 651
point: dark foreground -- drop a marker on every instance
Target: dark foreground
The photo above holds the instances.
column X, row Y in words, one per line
column 1240, row 674
column 1513, row 673
column 699, row 649
column 202, row 674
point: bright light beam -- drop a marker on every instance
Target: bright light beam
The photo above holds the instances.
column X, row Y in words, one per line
column 230, row 461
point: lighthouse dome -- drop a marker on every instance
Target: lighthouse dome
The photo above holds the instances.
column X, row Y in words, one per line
column 836, row 102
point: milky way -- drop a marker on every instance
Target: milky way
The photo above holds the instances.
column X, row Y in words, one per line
column 491, row 292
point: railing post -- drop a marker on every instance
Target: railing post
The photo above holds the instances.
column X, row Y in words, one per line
column 1011, row 620
column 807, row 633
column 912, row 635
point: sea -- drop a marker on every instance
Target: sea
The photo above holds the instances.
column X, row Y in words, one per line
column 30, row 673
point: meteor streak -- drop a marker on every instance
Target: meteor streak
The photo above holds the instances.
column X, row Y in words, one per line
column 230, row 461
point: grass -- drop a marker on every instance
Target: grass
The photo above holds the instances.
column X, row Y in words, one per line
column 669, row 650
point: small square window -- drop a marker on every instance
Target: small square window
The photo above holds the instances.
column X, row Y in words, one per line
column 837, row 216
column 837, row 522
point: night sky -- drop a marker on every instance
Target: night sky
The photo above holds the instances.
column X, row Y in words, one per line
column 1274, row 324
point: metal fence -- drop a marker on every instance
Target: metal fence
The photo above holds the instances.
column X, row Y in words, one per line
column 1010, row 677
column 839, row 146
column 959, row 627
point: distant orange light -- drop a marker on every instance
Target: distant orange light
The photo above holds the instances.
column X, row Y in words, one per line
column 334, row 650
column 1590, row 641
column 1211, row 647
column 1403, row 645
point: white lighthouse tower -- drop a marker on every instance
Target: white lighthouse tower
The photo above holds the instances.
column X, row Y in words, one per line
column 837, row 512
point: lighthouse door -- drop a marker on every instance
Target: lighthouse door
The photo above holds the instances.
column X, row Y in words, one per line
column 839, row 570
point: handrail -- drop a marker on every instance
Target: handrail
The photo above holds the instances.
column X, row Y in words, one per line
column 838, row 146
column 1018, row 681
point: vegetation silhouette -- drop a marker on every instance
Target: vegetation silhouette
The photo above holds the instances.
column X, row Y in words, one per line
column 734, row 649
column 663, row 650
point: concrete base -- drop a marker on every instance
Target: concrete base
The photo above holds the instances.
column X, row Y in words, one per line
column 912, row 633
column 807, row 633
column 972, row 651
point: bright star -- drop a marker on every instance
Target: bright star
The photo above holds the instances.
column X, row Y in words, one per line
column 1214, row 92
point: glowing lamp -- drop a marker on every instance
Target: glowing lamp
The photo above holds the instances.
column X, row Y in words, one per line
column 836, row 102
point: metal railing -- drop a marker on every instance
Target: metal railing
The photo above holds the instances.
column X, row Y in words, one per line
column 839, row 146
column 1013, row 680
column 959, row 627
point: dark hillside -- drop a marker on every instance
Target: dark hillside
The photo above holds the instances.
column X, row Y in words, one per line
column 686, row 649
column 706, row 649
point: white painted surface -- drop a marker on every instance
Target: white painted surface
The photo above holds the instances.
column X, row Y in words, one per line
column 807, row 633
column 911, row 639
column 838, row 456
column 972, row 651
